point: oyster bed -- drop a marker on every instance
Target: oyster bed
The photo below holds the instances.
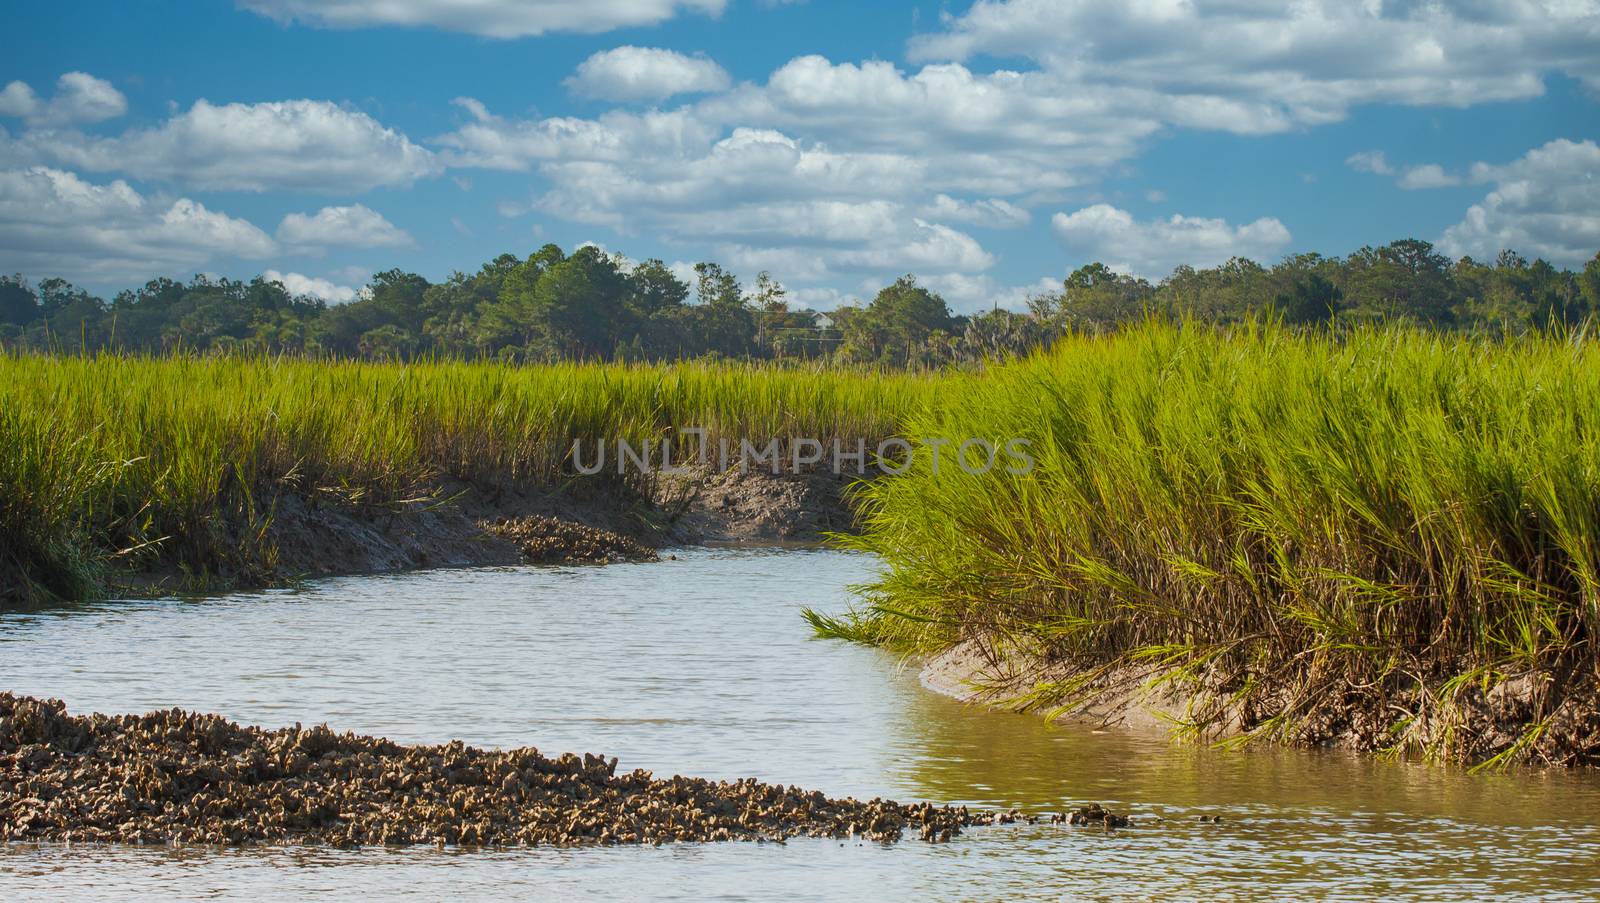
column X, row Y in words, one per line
column 180, row 777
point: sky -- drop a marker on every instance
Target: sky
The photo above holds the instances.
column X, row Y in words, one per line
column 990, row 148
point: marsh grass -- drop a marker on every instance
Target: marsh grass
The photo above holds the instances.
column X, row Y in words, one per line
column 115, row 463
column 1357, row 537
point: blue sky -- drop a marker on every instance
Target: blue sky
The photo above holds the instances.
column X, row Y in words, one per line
column 989, row 148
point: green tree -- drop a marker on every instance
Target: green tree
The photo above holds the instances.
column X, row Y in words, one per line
column 1094, row 297
column 19, row 305
column 722, row 319
column 1311, row 299
column 895, row 327
column 1403, row 279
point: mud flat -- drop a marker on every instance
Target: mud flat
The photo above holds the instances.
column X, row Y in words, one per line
column 177, row 777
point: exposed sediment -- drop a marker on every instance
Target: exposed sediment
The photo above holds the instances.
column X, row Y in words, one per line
column 549, row 540
column 454, row 524
column 974, row 671
column 1538, row 722
column 177, row 777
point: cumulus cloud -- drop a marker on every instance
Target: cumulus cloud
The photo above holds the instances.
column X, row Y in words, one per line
column 832, row 167
column 1545, row 204
column 53, row 222
column 491, row 18
column 304, row 145
column 645, row 73
column 298, row 284
column 982, row 293
column 996, row 213
column 1428, row 175
column 1154, row 249
column 79, row 97
column 764, row 198
column 357, row 226
column 890, row 166
column 1002, row 134
column 494, row 142
column 1412, row 178
column 1256, row 67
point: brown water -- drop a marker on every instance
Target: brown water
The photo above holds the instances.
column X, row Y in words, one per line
column 703, row 666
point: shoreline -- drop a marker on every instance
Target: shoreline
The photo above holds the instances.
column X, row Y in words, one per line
column 967, row 673
column 1484, row 726
column 455, row 524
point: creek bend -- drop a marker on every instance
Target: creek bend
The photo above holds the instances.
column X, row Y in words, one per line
column 702, row 666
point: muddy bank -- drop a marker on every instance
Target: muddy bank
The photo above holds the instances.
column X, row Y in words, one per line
column 176, row 777
column 756, row 506
column 974, row 672
column 1529, row 719
column 456, row 524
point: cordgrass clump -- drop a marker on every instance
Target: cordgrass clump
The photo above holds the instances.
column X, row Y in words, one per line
column 1387, row 539
column 117, row 464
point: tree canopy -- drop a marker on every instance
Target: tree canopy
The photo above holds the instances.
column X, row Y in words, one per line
column 589, row 305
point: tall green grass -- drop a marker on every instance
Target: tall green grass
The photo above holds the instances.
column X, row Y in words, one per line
column 1353, row 535
column 112, row 461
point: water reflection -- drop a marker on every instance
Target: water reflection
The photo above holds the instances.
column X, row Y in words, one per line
column 702, row 666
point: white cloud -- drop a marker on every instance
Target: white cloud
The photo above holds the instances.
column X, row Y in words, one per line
column 1370, row 161
column 1257, row 66
column 55, row 223
column 890, row 163
column 80, row 97
column 354, row 274
column 763, row 199
column 491, row 18
column 982, row 293
column 832, row 168
column 822, row 298
column 1002, row 134
column 1545, row 204
column 493, row 142
column 304, row 145
column 1412, row 178
column 1153, row 249
column 355, row 227
column 628, row 74
column 299, row 284
column 999, row 134
column 1428, row 175
column 17, row 99
column 995, row 213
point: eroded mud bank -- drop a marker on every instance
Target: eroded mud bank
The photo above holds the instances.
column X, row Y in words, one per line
column 1517, row 721
column 465, row 525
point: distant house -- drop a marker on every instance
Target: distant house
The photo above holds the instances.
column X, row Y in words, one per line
column 821, row 320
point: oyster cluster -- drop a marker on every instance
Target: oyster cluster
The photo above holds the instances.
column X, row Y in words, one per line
column 178, row 777
column 1092, row 814
column 548, row 540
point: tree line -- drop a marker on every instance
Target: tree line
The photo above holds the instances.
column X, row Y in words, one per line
column 593, row 305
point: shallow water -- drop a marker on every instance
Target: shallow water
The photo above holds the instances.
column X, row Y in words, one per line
column 703, row 666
